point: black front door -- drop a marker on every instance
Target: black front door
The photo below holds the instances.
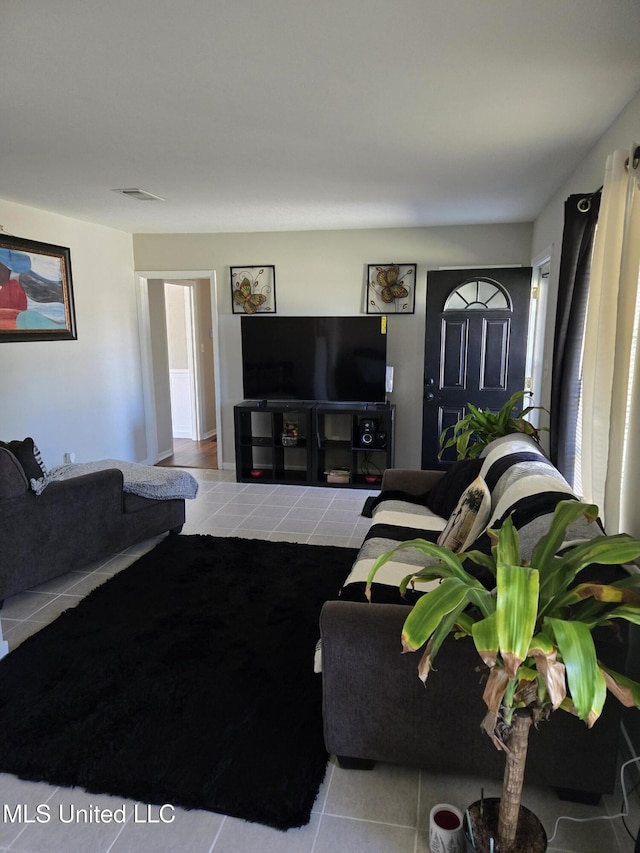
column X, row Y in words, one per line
column 475, row 347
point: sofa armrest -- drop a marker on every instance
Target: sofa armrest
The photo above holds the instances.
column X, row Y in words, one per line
column 386, row 713
column 100, row 487
column 412, row 481
column 13, row 480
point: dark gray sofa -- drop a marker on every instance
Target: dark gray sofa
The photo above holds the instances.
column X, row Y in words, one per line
column 375, row 707
column 71, row 523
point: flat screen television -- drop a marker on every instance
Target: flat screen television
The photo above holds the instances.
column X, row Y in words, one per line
column 334, row 359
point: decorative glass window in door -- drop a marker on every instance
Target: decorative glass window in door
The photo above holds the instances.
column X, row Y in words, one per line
column 478, row 294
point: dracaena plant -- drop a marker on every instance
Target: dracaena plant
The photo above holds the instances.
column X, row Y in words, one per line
column 471, row 434
column 533, row 631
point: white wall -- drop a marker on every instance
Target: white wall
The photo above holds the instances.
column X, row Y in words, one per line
column 548, row 227
column 86, row 395
column 323, row 273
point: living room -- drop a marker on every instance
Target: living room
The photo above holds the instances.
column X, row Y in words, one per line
column 88, row 396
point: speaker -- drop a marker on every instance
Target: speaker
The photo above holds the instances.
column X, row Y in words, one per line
column 366, row 432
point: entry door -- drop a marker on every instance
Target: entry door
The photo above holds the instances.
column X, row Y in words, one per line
column 475, row 347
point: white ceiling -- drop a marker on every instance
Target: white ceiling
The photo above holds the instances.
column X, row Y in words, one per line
column 260, row 115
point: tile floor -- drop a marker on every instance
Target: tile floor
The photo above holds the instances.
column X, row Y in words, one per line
column 381, row 811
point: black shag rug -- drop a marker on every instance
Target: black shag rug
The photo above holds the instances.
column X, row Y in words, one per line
column 186, row 679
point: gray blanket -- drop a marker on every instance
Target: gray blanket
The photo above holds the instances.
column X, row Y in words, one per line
column 145, row 480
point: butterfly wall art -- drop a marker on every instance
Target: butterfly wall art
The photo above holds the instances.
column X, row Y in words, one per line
column 253, row 290
column 391, row 289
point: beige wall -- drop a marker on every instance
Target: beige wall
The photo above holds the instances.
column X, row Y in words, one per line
column 83, row 396
column 323, row 273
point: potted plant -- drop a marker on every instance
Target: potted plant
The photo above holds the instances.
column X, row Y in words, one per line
column 534, row 632
column 471, row 434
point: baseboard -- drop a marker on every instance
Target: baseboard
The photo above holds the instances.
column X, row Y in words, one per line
column 213, row 433
column 164, row 455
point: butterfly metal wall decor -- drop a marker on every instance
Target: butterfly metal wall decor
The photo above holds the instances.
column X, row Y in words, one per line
column 391, row 289
column 253, row 290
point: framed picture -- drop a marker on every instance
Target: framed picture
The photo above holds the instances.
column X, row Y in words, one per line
column 391, row 289
column 36, row 292
column 253, row 290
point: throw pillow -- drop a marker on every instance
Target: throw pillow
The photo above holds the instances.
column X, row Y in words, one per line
column 469, row 518
column 28, row 456
column 444, row 496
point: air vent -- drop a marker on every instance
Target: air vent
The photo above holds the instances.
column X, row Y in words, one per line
column 140, row 195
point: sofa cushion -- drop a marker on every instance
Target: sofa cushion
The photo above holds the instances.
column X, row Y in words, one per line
column 469, row 518
column 444, row 496
column 28, row 456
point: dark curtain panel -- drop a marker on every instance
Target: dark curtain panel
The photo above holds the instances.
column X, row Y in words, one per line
column 580, row 219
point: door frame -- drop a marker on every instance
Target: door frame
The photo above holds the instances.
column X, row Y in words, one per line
column 144, row 328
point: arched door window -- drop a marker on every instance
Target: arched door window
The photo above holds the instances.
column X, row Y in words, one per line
column 478, row 294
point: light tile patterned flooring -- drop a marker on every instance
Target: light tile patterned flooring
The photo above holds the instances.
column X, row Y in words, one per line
column 381, row 811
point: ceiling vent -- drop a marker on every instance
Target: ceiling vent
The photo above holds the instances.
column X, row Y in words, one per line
column 140, row 195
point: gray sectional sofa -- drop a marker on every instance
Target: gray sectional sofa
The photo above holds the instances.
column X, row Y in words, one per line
column 71, row 522
column 375, row 707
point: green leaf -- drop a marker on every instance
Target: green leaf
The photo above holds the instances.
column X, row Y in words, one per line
column 627, row 612
column 447, row 624
column 430, row 610
column 578, row 653
column 507, row 548
column 602, row 550
column 485, row 637
column 449, row 564
column 565, row 513
column 516, row 611
column 603, row 594
column 480, row 559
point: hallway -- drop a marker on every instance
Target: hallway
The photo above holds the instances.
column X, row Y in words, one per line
column 192, row 454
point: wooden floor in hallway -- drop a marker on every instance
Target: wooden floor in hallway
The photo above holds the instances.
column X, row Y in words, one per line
column 192, row 454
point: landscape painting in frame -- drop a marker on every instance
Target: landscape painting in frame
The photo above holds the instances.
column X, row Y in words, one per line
column 391, row 289
column 36, row 292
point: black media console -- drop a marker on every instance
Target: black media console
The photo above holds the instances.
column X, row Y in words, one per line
column 313, row 443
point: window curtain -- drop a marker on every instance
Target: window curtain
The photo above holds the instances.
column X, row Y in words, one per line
column 611, row 386
column 580, row 219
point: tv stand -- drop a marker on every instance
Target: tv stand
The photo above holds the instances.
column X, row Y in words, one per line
column 313, row 443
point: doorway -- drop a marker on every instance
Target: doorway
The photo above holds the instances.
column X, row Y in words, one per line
column 184, row 389
column 205, row 403
column 475, row 347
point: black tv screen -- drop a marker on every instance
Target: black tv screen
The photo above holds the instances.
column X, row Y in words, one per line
column 336, row 359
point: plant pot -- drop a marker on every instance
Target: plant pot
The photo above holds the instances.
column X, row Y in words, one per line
column 531, row 836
